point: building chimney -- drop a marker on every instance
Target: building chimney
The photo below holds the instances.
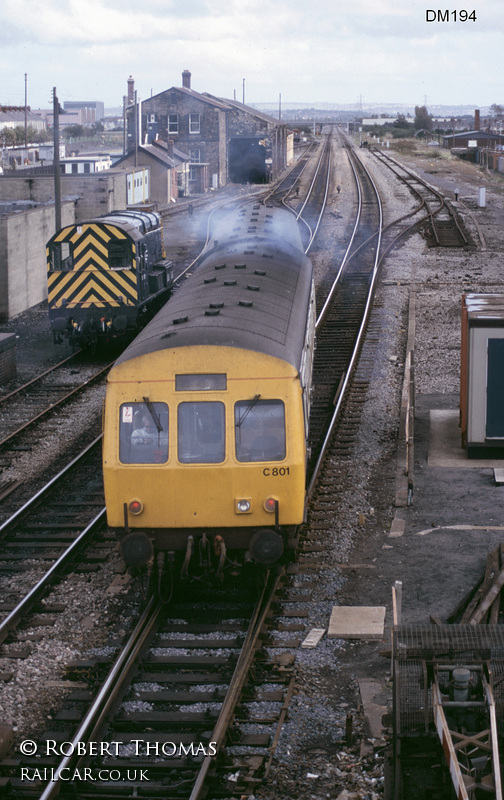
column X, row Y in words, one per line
column 169, row 148
column 131, row 91
column 477, row 120
column 186, row 79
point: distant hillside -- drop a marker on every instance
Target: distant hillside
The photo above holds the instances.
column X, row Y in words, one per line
column 352, row 110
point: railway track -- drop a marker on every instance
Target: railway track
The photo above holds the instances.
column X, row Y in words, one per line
column 48, row 533
column 191, row 698
column 199, row 641
column 437, row 218
column 343, row 306
column 38, row 401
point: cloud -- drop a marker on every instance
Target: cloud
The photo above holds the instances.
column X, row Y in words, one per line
column 308, row 51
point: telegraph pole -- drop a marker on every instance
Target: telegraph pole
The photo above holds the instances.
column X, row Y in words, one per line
column 135, row 117
column 125, row 130
column 26, row 110
column 56, row 163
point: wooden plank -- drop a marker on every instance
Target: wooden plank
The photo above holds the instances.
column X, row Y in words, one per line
column 493, row 615
column 481, row 591
column 464, row 602
column 488, row 599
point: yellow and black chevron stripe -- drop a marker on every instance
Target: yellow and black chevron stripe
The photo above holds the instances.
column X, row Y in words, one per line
column 91, row 282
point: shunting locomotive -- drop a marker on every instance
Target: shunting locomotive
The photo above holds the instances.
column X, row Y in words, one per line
column 107, row 277
column 207, row 410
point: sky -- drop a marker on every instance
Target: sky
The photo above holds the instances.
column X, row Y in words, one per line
column 297, row 51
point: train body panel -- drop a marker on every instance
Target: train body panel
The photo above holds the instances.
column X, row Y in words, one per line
column 105, row 276
column 206, row 414
column 166, row 488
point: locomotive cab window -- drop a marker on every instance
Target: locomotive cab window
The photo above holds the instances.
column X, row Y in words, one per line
column 201, row 433
column 143, row 433
column 61, row 257
column 260, row 430
column 119, row 255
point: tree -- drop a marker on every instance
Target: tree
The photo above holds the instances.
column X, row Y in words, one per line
column 8, row 137
column 423, row 120
column 74, row 132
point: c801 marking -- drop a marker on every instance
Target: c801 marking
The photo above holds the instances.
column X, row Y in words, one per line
column 276, row 472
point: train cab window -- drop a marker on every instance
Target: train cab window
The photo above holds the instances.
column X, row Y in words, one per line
column 260, row 430
column 120, row 255
column 143, row 433
column 201, row 433
column 61, row 257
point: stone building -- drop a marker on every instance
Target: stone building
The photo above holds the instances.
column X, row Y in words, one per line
column 169, row 169
column 226, row 141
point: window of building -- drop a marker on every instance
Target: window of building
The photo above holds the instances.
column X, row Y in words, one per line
column 196, row 156
column 152, row 117
column 193, row 173
column 194, row 123
column 201, row 433
column 87, row 167
column 75, row 168
column 173, row 123
column 143, row 433
column 260, row 430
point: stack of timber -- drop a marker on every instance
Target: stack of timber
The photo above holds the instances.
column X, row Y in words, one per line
column 482, row 605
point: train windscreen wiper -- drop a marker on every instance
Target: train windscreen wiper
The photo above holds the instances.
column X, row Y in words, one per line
column 248, row 410
column 152, row 412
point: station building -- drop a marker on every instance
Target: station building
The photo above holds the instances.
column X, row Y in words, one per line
column 226, row 141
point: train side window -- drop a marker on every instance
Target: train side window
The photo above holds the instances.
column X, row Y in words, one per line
column 61, row 257
column 260, row 430
column 201, row 433
column 143, row 433
column 120, row 256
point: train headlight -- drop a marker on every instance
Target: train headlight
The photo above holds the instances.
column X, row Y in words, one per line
column 135, row 507
column 270, row 504
column 243, row 506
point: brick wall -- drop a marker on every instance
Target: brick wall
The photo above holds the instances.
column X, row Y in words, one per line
column 210, row 141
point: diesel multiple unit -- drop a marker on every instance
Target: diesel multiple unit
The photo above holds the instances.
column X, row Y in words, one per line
column 206, row 413
column 106, row 277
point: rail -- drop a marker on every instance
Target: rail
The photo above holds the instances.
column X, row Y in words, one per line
column 346, row 378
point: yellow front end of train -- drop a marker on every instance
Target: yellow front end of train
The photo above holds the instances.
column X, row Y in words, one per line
column 206, row 442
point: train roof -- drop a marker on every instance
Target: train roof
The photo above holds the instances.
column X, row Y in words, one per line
column 133, row 223
column 251, row 293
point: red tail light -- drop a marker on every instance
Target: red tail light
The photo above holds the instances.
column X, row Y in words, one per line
column 135, row 507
